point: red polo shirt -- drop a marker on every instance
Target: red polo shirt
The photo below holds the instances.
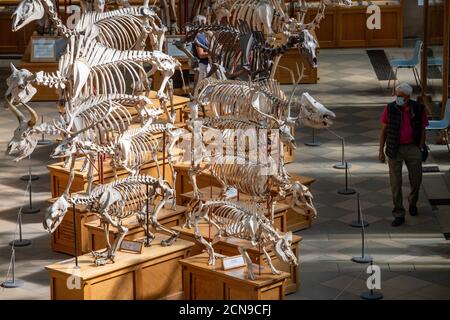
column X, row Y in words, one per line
column 406, row 132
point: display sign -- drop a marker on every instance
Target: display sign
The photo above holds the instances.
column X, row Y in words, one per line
column 132, row 246
column 43, row 49
column 233, row 262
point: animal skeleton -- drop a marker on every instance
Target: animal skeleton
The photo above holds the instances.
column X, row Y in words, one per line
column 89, row 68
column 268, row 102
column 252, row 178
column 114, row 202
column 136, row 146
column 124, row 29
column 234, row 220
column 229, row 45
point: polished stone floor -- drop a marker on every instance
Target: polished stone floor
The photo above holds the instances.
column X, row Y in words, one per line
column 414, row 258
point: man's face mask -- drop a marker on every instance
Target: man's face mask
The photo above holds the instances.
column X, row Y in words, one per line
column 400, row 101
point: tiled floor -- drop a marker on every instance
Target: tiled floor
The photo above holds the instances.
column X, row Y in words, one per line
column 414, row 259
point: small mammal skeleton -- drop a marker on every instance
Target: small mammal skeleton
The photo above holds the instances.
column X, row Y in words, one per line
column 114, row 202
column 234, row 220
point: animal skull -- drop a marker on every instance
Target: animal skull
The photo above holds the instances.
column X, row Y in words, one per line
column 302, row 200
column 308, row 48
column 55, row 214
column 26, row 12
column 19, row 85
column 283, row 249
column 313, row 114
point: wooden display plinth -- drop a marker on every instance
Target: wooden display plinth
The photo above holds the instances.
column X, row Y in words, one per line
column 207, row 193
column 154, row 274
column 44, row 93
column 96, row 235
column 62, row 238
column 204, row 282
column 229, row 246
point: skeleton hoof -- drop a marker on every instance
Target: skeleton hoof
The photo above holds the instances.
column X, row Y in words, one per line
column 100, row 262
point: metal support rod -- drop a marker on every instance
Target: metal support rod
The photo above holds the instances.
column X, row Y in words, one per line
column 13, row 283
column 75, row 240
column 343, row 163
column 29, row 176
column 147, row 216
column 363, row 258
column 346, row 190
column 313, row 143
column 30, row 209
column 359, row 223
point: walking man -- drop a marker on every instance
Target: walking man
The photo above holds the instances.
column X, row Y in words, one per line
column 403, row 135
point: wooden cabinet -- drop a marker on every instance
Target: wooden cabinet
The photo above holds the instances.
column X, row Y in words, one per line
column 12, row 42
column 154, row 274
column 204, row 282
column 345, row 27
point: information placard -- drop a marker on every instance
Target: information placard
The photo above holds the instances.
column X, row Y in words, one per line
column 43, row 49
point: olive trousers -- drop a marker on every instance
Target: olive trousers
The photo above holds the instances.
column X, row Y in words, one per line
column 411, row 155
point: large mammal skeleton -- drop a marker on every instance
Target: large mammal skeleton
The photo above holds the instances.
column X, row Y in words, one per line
column 124, row 29
column 114, row 202
column 267, row 102
column 234, row 220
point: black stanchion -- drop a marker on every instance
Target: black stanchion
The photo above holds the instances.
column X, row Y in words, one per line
column 29, row 176
column 363, row 258
column 359, row 223
column 13, row 282
column 313, row 143
column 20, row 242
column 372, row 294
column 346, row 191
column 43, row 141
column 30, row 209
column 343, row 164
column 147, row 244
column 75, row 240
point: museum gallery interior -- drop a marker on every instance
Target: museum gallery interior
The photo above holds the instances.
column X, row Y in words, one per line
column 225, row 150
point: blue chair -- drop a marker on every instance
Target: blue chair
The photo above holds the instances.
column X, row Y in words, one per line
column 434, row 62
column 407, row 64
column 442, row 124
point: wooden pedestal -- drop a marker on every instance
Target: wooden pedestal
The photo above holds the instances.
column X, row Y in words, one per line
column 279, row 218
column 96, row 235
column 44, row 93
column 62, row 238
column 204, row 282
column 154, row 274
column 229, row 246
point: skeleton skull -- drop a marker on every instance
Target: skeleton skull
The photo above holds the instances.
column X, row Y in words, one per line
column 308, row 48
column 313, row 114
column 26, row 12
column 302, row 200
column 55, row 214
column 283, row 249
column 19, row 85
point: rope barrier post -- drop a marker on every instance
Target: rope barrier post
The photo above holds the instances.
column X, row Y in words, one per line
column 313, row 143
column 147, row 244
column 363, row 258
column 343, row 164
column 29, row 176
column 346, row 191
column 30, row 209
column 372, row 294
column 43, row 141
column 20, row 242
column 75, row 238
column 13, row 283
column 359, row 223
